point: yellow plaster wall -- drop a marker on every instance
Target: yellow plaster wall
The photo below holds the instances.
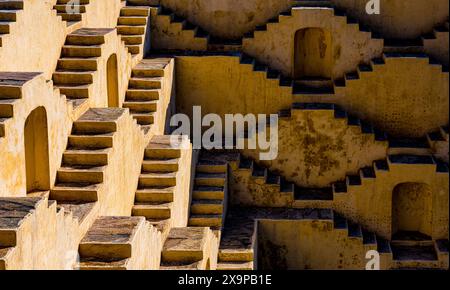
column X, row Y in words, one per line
column 234, row 88
column 405, row 97
column 400, row 19
column 315, row 149
column 371, row 203
column 350, row 46
column 232, row 18
column 308, row 245
column 227, row 18
column 60, row 115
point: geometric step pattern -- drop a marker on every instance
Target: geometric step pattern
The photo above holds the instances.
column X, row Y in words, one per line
column 144, row 90
column 8, row 15
column 11, row 88
column 78, row 64
column 208, row 198
column 71, row 12
column 172, row 27
column 132, row 25
column 157, row 181
column 85, row 160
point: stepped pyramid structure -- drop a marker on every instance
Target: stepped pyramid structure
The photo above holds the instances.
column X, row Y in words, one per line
column 92, row 176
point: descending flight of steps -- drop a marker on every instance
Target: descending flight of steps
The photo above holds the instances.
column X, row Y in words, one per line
column 187, row 249
column 120, row 243
column 78, row 64
column 8, row 15
column 171, row 26
column 155, row 194
column 133, row 23
column 11, row 87
column 208, row 198
column 85, row 160
column 71, row 11
column 144, row 90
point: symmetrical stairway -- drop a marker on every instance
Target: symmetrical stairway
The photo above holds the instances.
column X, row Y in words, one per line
column 85, row 160
column 132, row 25
column 155, row 194
column 79, row 62
column 144, row 90
column 71, row 11
column 8, row 15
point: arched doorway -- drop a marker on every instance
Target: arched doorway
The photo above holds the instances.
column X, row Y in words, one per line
column 36, row 151
column 412, row 210
column 313, row 57
column 113, row 82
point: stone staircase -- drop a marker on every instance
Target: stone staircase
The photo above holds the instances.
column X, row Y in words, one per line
column 71, row 12
column 132, row 25
column 155, row 194
column 166, row 26
column 239, row 239
column 82, row 173
column 78, row 64
column 188, row 249
column 363, row 69
column 120, row 243
column 8, row 15
column 11, row 88
column 208, row 206
column 144, row 90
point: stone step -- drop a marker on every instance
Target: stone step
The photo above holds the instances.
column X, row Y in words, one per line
column 132, row 20
column 97, row 121
column 141, row 106
column 211, row 167
column 210, row 179
column 75, row 192
column 157, row 179
column 76, row 63
column 205, row 220
column 160, row 165
column 100, row 141
column 155, row 195
column 144, row 118
column 184, row 245
column 90, row 175
column 97, row 157
column 234, row 266
column 207, row 207
column 73, row 77
column 152, row 210
column 135, row 11
column 110, row 238
column 131, row 29
column 236, row 255
column 13, row 212
column 208, row 192
column 145, row 83
column 142, row 95
column 81, row 51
